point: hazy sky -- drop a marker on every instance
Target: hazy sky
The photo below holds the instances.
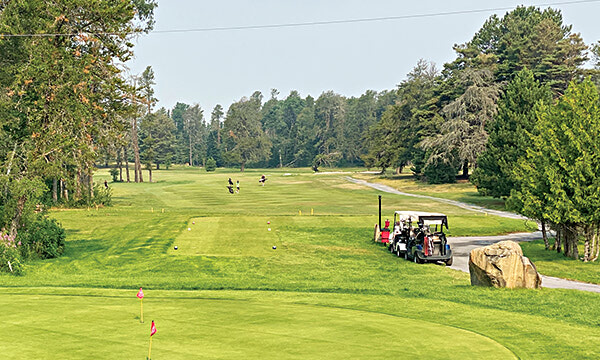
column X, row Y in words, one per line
column 222, row 66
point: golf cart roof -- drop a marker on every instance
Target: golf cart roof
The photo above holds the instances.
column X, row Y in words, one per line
column 426, row 217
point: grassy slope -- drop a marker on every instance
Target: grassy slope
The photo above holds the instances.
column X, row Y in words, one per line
column 462, row 191
column 327, row 259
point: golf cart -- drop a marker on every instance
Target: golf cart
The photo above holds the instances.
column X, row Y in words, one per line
column 419, row 236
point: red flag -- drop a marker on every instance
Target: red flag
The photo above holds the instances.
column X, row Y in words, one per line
column 152, row 329
column 140, row 294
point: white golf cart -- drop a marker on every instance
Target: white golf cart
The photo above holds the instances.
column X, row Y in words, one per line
column 419, row 236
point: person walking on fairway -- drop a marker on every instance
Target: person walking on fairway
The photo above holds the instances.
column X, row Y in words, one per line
column 237, row 186
column 262, row 180
column 230, row 186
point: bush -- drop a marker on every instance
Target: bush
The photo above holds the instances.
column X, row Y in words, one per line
column 44, row 238
column 10, row 256
column 211, row 164
column 102, row 196
column 440, row 173
column 114, row 173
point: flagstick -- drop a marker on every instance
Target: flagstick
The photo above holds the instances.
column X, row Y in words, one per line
column 142, row 310
column 150, row 348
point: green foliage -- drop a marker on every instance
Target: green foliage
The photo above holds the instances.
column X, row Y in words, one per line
column 62, row 96
column 440, row 172
column 114, row 173
column 102, row 196
column 245, row 139
column 157, row 138
column 211, row 164
column 508, row 135
column 559, row 178
column 10, row 255
column 394, row 141
column 527, row 37
column 43, row 238
column 463, row 135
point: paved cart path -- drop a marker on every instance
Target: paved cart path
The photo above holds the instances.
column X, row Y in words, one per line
column 463, row 205
column 462, row 245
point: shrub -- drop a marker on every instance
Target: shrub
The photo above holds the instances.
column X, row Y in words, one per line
column 102, row 196
column 10, row 255
column 44, row 238
column 440, row 173
column 211, row 164
column 114, row 173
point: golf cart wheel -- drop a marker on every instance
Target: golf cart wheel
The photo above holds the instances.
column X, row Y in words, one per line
column 406, row 255
column 449, row 262
column 398, row 251
column 417, row 259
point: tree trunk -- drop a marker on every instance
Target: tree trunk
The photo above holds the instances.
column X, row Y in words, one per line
column 136, row 151
column 16, row 220
column 570, row 235
column 126, row 163
column 243, row 166
column 120, row 165
column 141, row 176
column 595, row 246
column 55, row 190
column 91, row 183
column 61, row 184
column 544, row 235
column 558, row 239
column 586, row 248
column 465, row 169
column 150, row 173
column 190, row 146
column 78, row 184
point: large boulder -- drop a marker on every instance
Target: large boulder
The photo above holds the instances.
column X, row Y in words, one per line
column 503, row 265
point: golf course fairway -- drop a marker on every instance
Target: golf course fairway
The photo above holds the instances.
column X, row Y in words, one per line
column 105, row 324
column 325, row 291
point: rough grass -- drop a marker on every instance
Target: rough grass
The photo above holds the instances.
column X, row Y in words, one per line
column 327, row 260
column 462, row 190
column 551, row 263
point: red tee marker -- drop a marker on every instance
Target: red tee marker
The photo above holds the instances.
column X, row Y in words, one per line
column 140, row 294
column 152, row 329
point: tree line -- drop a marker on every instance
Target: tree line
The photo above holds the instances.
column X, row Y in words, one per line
column 63, row 97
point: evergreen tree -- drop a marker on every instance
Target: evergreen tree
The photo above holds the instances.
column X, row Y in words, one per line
column 560, row 177
column 245, row 140
column 463, row 135
column 508, row 140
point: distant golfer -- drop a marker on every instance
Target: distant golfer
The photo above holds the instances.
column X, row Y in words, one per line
column 105, row 184
column 262, row 180
column 230, row 182
column 237, row 186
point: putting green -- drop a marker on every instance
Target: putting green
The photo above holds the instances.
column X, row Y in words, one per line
column 105, row 324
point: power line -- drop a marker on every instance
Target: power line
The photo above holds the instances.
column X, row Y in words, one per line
column 313, row 23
